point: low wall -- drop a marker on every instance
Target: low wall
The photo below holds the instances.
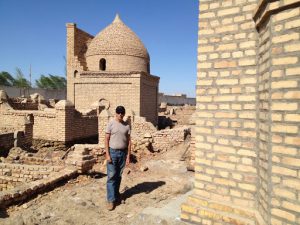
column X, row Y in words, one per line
column 12, row 175
column 165, row 139
column 62, row 123
column 51, row 177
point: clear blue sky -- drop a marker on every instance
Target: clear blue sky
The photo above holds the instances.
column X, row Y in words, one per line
column 34, row 32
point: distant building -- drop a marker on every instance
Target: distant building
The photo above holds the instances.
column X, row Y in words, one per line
column 176, row 99
column 115, row 66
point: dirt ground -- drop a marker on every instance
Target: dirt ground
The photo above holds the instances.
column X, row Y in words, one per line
column 152, row 184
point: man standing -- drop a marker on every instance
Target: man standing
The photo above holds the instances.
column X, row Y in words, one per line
column 117, row 149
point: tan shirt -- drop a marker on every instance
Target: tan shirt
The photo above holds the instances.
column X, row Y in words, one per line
column 119, row 133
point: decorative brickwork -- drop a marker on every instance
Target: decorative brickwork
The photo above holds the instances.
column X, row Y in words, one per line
column 113, row 65
column 247, row 126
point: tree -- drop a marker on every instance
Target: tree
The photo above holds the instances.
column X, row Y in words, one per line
column 51, row 82
column 6, row 79
column 20, row 80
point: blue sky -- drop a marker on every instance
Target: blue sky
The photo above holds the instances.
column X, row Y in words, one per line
column 34, row 32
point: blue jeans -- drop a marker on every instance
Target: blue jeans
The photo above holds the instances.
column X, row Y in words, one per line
column 114, row 173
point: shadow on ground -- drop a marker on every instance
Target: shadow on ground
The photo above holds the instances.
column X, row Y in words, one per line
column 145, row 187
column 3, row 213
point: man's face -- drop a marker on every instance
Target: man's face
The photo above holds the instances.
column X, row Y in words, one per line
column 120, row 116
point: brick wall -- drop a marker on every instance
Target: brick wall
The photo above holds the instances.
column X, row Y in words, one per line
column 12, row 175
column 163, row 140
column 63, row 123
column 247, row 126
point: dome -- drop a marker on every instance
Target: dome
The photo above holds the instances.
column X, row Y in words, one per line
column 117, row 39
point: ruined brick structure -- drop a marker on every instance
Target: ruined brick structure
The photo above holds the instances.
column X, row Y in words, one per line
column 115, row 66
column 248, row 114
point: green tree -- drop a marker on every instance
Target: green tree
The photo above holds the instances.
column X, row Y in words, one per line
column 51, row 82
column 6, row 79
column 20, row 80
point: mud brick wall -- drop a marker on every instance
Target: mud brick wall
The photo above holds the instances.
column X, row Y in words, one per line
column 165, row 139
column 12, row 175
column 247, row 128
column 28, row 189
column 63, row 123
column 140, row 127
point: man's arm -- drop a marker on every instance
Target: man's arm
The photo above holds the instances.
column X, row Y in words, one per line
column 107, row 155
column 129, row 151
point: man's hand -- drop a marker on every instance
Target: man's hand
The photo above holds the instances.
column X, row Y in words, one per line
column 128, row 160
column 108, row 158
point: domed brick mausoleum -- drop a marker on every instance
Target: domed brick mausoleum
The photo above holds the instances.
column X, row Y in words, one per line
column 115, row 66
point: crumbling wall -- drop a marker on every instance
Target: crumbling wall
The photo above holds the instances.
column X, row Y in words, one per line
column 13, row 175
column 166, row 139
column 63, row 123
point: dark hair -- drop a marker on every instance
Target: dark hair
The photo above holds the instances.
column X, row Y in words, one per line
column 120, row 109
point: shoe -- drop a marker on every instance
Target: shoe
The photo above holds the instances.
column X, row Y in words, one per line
column 110, row 206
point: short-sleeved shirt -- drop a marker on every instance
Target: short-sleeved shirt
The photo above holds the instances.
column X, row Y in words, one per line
column 119, row 133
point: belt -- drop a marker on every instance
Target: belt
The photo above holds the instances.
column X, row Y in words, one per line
column 118, row 149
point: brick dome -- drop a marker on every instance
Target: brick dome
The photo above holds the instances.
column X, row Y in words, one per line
column 117, row 39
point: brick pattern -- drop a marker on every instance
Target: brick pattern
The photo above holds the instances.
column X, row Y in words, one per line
column 279, row 116
column 126, row 79
column 60, row 124
column 164, row 140
column 247, row 128
column 12, row 175
column 28, row 189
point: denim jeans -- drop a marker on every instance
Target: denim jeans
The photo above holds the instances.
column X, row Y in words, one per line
column 114, row 173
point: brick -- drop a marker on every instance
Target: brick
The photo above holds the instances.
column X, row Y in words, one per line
column 284, row 171
column 229, row 11
column 285, row 61
column 227, row 81
column 283, row 214
column 225, row 64
column 292, row 24
column 248, row 187
column 226, row 47
column 292, row 183
column 284, row 193
column 284, row 106
column 285, row 38
column 291, row 206
column 225, row 182
column 286, row 15
column 292, row 47
column 291, row 161
column 292, row 117
column 228, row 98
column 284, row 84
column 225, row 115
column 284, row 128
column 293, row 71
column 247, row 62
column 189, row 209
column 292, row 140
column 292, row 95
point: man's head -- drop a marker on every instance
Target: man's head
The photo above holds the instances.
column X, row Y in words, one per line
column 120, row 112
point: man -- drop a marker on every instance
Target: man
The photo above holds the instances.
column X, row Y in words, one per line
column 117, row 149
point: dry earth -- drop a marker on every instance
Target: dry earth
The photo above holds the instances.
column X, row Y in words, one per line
column 152, row 190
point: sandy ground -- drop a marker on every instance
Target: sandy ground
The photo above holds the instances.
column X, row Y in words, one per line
column 152, row 196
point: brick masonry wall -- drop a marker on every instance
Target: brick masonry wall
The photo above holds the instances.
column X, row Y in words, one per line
column 117, row 63
column 12, row 175
column 279, row 156
column 165, row 139
column 149, row 99
column 247, row 129
column 60, row 124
